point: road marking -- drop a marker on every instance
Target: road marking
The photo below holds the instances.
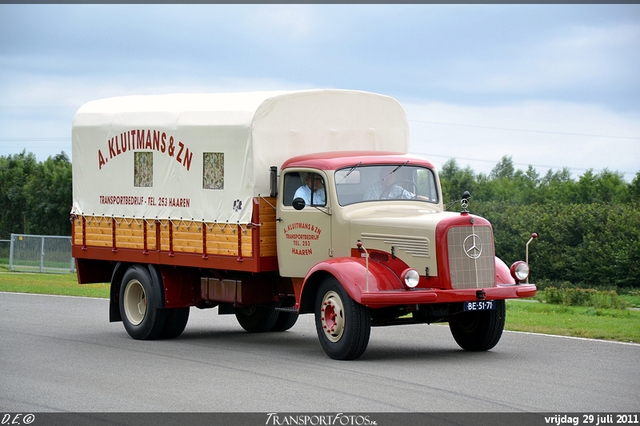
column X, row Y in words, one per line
column 576, row 338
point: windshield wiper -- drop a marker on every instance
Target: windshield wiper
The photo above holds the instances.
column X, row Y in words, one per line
column 396, row 169
column 349, row 172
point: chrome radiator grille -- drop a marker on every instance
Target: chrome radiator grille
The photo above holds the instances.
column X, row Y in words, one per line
column 471, row 257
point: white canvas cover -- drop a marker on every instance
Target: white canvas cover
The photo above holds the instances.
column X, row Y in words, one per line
column 203, row 157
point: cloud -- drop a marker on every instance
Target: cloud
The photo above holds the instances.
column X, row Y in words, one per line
column 579, row 63
column 547, row 135
column 295, row 23
column 466, row 72
column 587, row 57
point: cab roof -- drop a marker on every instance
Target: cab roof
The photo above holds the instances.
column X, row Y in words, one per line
column 339, row 159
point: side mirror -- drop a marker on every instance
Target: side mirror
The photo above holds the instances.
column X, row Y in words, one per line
column 298, row 203
column 273, row 181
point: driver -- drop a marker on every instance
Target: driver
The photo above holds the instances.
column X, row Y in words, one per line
column 386, row 189
column 314, row 184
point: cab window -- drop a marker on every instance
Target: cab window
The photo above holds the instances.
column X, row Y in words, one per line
column 306, row 185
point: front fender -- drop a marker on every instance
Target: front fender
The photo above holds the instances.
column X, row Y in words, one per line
column 503, row 274
column 352, row 274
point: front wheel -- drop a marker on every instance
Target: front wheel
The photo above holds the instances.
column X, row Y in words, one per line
column 343, row 326
column 479, row 331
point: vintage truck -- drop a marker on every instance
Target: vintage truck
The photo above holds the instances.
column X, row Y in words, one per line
column 268, row 205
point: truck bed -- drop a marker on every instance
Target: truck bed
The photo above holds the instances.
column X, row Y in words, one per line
column 216, row 245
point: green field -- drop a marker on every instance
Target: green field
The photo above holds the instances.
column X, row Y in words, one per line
column 577, row 321
column 61, row 284
column 530, row 316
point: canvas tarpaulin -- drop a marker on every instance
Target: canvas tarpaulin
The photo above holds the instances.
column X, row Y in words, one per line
column 203, row 157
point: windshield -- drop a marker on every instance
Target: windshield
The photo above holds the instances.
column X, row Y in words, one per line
column 358, row 183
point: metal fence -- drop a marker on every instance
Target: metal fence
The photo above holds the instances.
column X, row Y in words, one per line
column 40, row 253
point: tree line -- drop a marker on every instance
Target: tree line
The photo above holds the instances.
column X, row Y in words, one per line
column 36, row 197
column 506, row 184
column 588, row 228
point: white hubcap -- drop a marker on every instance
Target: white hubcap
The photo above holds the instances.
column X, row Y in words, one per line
column 135, row 302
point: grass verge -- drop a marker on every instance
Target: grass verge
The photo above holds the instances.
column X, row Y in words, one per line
column 41, row 283
column 578, row 321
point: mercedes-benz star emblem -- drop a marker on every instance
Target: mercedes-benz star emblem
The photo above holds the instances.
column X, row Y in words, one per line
column 472, row 246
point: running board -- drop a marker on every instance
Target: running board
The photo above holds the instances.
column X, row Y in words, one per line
column 287, row 309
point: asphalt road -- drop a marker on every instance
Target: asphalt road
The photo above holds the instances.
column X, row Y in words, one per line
column 60, row 354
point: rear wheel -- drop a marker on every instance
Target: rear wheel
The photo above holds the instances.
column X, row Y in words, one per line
column 343, row 326
column 479, row 331
column 285, row 321
column 256, row 319
column 176, row 321
column 141, row 304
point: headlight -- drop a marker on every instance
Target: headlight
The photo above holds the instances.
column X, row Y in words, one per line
column 520, row 271
column 411, row 278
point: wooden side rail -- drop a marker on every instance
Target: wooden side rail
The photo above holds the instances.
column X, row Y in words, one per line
column 180, row 236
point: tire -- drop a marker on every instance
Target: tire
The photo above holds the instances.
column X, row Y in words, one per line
column 256, row 319
column 141, row 304
column 479, row 331
column 285, row 321
column 175, row 323
column 343, row 326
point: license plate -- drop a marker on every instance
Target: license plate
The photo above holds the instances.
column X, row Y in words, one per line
column 483, row 305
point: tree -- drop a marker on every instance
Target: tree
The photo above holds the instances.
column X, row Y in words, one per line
column 504, row 169
column 14, row 173
column 35, row 197
column 634, row 188
column 455, row 181
column 501, row 181
column 604, row 187
column 558, row 187
column 611, row 187
column 49, row 197
column 527, row 186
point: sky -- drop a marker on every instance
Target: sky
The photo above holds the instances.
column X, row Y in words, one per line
column 550, row 86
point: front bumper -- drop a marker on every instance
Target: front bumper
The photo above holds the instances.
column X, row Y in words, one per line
column 409, row 297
